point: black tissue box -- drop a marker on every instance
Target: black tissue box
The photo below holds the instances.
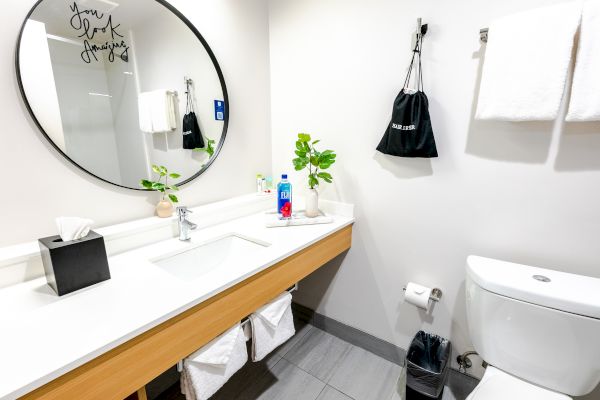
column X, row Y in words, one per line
column 73, row 265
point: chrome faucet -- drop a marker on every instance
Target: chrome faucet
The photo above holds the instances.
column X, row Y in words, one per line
column 185, row 226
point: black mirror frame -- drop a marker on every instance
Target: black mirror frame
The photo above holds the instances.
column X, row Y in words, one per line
column 210, row 54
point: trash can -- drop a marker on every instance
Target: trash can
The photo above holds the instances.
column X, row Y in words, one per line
column 427, row 362
column 400, row 389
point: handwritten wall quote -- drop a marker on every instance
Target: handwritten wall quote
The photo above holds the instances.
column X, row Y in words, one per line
column 91, row 23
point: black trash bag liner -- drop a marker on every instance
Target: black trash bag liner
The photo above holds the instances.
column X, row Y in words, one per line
column 427, row 364
column 409, row 133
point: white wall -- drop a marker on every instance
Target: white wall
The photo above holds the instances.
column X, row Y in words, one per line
column 41, row 185
column 131, row 142
column 528, row 193
column 36, row 74
column 87, row 120
column 166, row 69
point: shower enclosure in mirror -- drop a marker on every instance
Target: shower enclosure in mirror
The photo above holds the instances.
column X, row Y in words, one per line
column 110, row 82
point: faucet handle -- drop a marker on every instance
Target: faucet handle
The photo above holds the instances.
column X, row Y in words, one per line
column 182, row 211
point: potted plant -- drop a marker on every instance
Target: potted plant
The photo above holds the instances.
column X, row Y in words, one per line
column 164, row 208
column 315, row 161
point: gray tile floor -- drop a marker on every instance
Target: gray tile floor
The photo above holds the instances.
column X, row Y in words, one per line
column 315, row 365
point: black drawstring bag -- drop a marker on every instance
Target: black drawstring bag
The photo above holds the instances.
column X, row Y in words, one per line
column 192, row 137
column 409, row 133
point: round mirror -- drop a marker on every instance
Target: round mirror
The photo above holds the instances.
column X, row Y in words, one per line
column 119, row 85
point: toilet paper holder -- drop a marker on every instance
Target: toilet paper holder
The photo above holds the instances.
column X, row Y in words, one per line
column 436, row 294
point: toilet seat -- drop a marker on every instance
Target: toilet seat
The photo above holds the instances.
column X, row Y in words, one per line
column 498, row 385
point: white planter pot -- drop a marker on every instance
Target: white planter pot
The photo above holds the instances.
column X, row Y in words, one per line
column 312, row 203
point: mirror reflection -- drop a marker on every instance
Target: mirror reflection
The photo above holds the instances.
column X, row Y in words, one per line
column 117, row 86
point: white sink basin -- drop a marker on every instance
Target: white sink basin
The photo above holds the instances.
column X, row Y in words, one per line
column 201, row 258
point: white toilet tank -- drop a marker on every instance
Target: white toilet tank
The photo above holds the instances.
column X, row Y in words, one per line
column 539, row 325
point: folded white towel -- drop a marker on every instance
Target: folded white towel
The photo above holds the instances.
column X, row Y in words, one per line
column 157, row 111
column 585, row 94
column 73, row 228
column 526, row 63
column 219, row 350
column 208, row 369
column 272, row 325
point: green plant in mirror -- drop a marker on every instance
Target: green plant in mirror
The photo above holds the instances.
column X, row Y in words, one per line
column 210, row 147
column 309, row 157
column 159, row 185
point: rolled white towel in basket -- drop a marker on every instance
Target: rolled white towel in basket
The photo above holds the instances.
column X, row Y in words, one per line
column 272, row 325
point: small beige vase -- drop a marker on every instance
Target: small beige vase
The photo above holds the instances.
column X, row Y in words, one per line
column 312, row 203
column 164, row 209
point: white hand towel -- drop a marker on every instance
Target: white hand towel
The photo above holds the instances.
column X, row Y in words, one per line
column 219, row 350
column 585, row 92
column 73, row 228
column 272, row 312
column 526, row 63
column 208, row 369
column 271, row 327
column 157, row 111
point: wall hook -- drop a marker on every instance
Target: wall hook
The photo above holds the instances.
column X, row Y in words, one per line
column 419, row 33
column 483, row 34
column 421, row 28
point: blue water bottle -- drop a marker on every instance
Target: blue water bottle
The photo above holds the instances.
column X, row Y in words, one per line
column 284, row 198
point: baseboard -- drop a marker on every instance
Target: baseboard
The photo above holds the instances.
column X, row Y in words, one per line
column 369, row 342
column 351, row 335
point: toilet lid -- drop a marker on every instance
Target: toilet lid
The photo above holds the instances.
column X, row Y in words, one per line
column 498, row 385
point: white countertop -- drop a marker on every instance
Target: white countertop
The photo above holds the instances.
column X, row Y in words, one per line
column 43, row 336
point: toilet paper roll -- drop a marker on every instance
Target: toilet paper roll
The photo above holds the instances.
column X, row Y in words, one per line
column 417, row 295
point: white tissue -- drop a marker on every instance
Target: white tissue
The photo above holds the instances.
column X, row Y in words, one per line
column 417, row 295
column 73, row 228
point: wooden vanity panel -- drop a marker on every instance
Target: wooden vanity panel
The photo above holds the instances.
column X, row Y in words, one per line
column 128, row 367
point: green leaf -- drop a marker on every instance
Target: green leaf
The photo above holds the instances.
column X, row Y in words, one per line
column 326, row 164
column 163, row 170
column 315, row 142
column 312, row 181
column 306, row 147
column 314, row 160
column 155, row 168
column 327, row 156
column 326, row 176
column 158, row 186
column 146, row 183
column 300, row 163
column 299, row 145
column 304, row 137
column 301, row 154
column 173, row 198
column 174, row 175
column 173, row 187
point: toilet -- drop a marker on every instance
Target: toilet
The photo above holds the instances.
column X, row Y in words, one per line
column 537, row 329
